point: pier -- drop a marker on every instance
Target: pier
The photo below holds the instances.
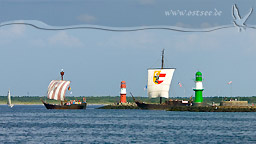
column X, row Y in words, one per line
column 189, row 108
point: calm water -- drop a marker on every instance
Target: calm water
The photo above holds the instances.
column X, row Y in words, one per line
column 35, row 124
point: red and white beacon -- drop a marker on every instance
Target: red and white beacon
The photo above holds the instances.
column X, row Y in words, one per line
column 123, row 92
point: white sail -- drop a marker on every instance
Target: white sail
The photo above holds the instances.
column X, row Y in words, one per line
column 159, row 81
column 9, row 102
column 57, row 89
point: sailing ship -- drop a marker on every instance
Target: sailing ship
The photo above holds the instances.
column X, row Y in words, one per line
column 159, row 80
column 9, row 102
column 56, row 91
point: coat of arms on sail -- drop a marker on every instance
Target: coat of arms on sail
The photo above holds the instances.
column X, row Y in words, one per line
column 158, row 77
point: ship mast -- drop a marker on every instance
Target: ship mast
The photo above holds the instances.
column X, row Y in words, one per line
column 162, row 59
column 162, row 66
column 62, row 74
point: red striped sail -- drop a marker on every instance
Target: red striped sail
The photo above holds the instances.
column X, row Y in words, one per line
column 57, row 89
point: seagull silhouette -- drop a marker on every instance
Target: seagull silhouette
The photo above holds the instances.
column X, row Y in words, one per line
column 238, row 21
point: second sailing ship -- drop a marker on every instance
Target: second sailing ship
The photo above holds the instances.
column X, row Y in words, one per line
column 159, row 80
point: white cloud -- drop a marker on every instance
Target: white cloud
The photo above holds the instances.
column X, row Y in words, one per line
column 129, row 40
column 17, row 30
column 206, row 25
column 13, row 30
column 182, row 25
column 202, row 41
column 86, row 18
column 63, row 38
column 10, row 33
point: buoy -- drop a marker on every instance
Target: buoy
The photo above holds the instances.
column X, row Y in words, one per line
column 123, row 92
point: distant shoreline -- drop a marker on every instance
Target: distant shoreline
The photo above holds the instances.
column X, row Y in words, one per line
column 43, row 104
column 106, row 100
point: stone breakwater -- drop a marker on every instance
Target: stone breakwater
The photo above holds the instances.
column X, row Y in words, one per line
column 189, row 108
column 120, row 106
column 215, row 109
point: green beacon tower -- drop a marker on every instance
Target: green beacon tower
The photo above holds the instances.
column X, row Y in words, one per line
column 199, row 88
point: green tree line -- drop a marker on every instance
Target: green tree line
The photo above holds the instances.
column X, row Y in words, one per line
column 114, row 99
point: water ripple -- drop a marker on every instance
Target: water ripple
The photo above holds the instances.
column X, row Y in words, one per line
column 35, row 124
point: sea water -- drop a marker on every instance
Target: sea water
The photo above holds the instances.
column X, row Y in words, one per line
column 36, row 124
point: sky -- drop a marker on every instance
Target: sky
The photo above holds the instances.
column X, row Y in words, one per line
column 96, row 61
column 124, row 13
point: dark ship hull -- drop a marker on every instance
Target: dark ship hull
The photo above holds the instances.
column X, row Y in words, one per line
column 165, row 106
column 72, row 106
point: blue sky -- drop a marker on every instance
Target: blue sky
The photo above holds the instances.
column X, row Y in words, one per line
column 97, row 61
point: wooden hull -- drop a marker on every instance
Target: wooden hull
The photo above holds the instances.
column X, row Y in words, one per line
column 164, row 106
column 72, row 106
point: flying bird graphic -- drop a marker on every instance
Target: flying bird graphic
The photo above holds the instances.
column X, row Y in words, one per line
column 238, row 21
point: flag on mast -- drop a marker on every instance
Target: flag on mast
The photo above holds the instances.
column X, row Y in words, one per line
column 145, row 88
column 230, row 82
column 179, row 84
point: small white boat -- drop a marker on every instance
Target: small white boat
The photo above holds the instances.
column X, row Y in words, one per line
column 9, row 102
